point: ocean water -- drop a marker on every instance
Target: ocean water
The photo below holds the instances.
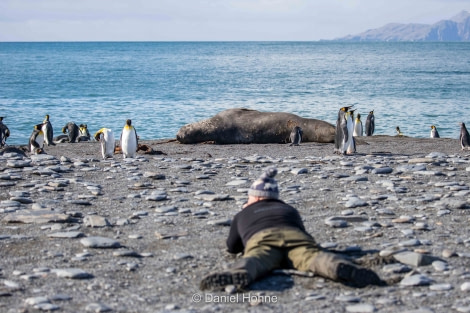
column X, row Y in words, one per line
column 162, row 86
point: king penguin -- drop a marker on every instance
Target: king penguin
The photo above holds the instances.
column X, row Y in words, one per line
column 84, row 134
column 48, row 131
column 4, row 132
column 341, row 131
column 358, row 132
column 370, row 124
column 296, row 136
column 129, row 140
column 434, row 133
column 106, row 137
column 350, row 143
column 72, row 129
column 36, row 140
column 399, row 133
column 464, row 137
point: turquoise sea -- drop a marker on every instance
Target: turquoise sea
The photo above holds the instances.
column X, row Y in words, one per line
column 162, row 86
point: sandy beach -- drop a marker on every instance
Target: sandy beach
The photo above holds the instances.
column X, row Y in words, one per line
column 82, row 234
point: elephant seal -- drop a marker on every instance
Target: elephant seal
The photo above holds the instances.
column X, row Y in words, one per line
column 245, row 126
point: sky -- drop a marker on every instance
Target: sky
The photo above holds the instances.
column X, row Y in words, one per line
column 211, row 20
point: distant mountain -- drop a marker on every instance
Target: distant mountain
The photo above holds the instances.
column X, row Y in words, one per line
column 454, row 29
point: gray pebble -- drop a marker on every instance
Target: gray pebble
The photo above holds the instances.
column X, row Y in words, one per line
column 299, row 171
column 416, row 280
column 213, row 197
column 440, row 266
column 18, row 163
column 69, row 234
column 440, row 287
column 382, row 170
column 100, row 242
column 73, row 273
column 47, row 307
column 461, row 309
column 361, row 308
column 465, row 286
column 98, row 308
column 396, row 268
column 314, row 297
column 126, row 253
column 237, row 182
column 347, row 298
column 336, row 222
column 37, row 300
column 182, row 256
column 414, row 258
column 96, row 221
column 157, row 196
column 355, row 202
column 410, row 243
column 166, row 209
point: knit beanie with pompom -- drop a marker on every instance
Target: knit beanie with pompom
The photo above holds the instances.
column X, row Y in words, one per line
column 265, row 186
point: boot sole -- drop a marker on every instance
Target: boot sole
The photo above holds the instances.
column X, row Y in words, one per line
column 220, row 280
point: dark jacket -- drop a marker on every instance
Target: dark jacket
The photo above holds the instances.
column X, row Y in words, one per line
column 259, row 216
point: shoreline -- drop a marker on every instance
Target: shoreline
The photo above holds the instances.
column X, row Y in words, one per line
column 167, row 218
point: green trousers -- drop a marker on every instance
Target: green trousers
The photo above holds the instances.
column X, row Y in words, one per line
column 288, row 248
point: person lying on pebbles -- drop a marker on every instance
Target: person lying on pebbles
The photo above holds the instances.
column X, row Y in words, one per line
column 271, row 235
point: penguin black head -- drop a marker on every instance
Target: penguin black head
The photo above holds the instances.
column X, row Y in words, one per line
column 1, row 118
column 128, row 122
column 346, row 109
column 47, row 117
column 38, row 126
column 97, row 136
column 358, row 116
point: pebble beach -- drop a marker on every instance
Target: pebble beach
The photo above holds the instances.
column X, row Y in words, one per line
column 83, row 234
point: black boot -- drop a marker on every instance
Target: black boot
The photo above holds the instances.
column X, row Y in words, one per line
column 356, row 276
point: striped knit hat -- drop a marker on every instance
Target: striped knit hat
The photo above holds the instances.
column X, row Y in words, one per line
column 265, row 186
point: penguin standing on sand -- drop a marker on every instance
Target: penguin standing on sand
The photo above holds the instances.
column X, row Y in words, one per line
column 341, row 131
column 296, row 136
column 399, row 133
column 464, row 137
column 351, row 142
column 358, row 132
column 48, row 131
column 72, row 130
column 129, row 141
column 434, row 133
column 106, row 137
column 4, row 132
column 84, row 134
column 36, row 140
column 370, row 124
